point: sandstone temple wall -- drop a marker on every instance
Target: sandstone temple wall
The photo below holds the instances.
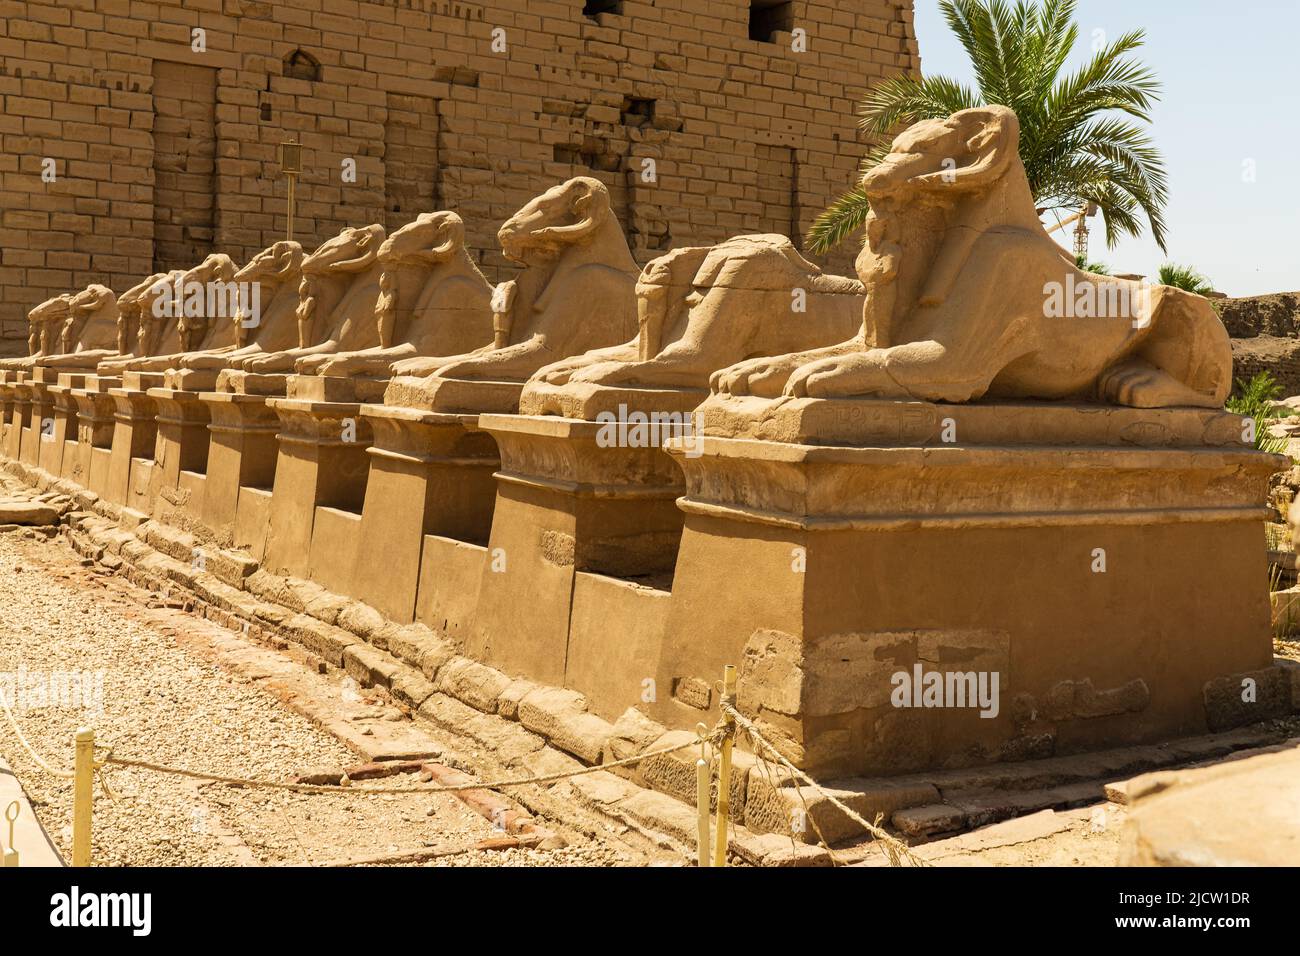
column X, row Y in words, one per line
column 161, row 154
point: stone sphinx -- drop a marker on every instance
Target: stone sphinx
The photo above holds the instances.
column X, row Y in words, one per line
column 960, row 276
column 701, row 309
column 198, row 326
column 91, row 331
column 45, row 325
column 150, row 330
column 277, row 273
column 433, row 301
column 576, row 293
column 1065, row 471
column 336, row 300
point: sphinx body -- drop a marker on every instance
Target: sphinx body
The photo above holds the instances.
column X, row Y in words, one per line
column 336, row 300
column 45, row 325
column 90, row 332
column 700, row 309
column 277, row 273
column 963, row 288
column 433, row 301
column 185, row 307
column 150, row 330
column 576, row 293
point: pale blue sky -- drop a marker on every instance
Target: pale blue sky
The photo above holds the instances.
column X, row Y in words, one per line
column 1230, row 74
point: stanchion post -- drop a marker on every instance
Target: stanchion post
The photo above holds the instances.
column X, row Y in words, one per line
column 702, row 805
column 11, row 816
column 83, row 795
column 724, row 766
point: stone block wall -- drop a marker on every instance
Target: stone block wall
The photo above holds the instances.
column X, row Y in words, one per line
column 131, row 142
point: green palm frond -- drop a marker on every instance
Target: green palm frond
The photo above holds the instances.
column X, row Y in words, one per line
column 845, row 216
column 1254, row 399
column 1079, row 135
column 1187, row 279
column 1097, row 268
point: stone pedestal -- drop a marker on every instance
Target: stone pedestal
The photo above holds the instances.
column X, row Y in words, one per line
column 40, row 417
column 1106, row 564
column 64, row 433
column 180, row 450
column 572, row 497
column 91, row 462
column 322, row 463
column 135, row 434
column 8, row 394
column 17, row 409
column 430, row 474
column 242, row 452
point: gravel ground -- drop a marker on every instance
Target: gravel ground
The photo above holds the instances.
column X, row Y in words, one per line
column 162, row 704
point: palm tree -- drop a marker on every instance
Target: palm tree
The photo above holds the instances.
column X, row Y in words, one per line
column 1098, row 268
column 1185, row 278
column 1077, row 138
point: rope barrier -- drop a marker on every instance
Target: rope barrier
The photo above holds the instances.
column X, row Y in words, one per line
column 18, row 732
column 731, row 720
column 336, row 790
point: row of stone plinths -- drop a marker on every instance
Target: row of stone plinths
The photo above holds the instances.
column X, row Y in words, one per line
column 1105, row 564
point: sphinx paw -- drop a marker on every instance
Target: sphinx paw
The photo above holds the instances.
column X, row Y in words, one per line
column 606, row 373
column 1139, row 385
column 560, row 373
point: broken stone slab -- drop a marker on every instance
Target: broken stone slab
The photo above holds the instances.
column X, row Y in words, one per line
column 1035, row 826
column 632, row 734
column 928, row 820
column 1240, row 813
column 517, row 690
column 674, row 773
column 804, row 811
column 368, row 666
column 561, row 717
column 412, row 642
column 547, row 761
column 473, row 683
column 408, row 686
column 1247, row 698
column 361, row 619
column 991, row 806
column 28, row 513
column 323, row 640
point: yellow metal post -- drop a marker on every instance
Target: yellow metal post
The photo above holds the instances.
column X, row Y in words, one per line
column 83, row 795
column 11, row 854
column 724, row 767
column 702, row 802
